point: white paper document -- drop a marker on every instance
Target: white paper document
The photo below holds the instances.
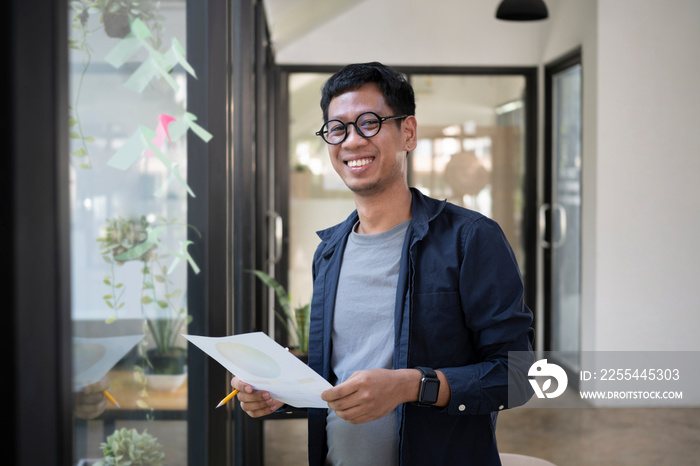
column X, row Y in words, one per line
column 260, row 361
column 94, row 357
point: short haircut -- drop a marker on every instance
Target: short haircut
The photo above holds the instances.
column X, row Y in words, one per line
column 396, row 89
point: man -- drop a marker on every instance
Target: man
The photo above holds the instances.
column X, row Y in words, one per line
column 416, row 302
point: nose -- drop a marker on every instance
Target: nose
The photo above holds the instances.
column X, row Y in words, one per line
column 353, row 135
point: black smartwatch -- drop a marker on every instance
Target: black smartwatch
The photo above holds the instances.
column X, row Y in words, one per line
column 429, row 387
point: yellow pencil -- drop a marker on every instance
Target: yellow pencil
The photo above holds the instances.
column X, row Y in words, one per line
column 228, row 398
column 110, row 398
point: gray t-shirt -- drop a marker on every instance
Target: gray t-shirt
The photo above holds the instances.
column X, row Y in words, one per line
column 363, row 338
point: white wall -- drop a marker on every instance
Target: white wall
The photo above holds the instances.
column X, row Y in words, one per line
column 641, row 164
column 647, row 173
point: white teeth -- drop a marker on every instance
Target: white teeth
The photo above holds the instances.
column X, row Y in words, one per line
column 358, row 163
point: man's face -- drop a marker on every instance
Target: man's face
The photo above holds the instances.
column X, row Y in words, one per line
column 373, row 165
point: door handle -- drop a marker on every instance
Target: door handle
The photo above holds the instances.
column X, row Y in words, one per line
column 277, row 225
column 562, row 225
column 542, row 216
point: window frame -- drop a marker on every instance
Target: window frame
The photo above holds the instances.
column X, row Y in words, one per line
column 38, row 253
column 551, row 69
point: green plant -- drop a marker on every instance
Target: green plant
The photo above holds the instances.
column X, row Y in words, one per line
column 129, row 448
column 296, row 320
column 166, row 318
column 115, row 17
column 118, row 235
column 125, row 240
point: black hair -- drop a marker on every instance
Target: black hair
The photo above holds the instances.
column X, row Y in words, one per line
column 396, row 89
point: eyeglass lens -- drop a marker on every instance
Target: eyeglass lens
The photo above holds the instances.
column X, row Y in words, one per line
column 367, row 125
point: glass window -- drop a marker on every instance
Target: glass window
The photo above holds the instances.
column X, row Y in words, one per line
column 318, row 198
column 565, row 244
column 470, row 146
column 129, row 224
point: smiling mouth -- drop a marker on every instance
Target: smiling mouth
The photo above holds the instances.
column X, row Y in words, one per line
column 359, row 162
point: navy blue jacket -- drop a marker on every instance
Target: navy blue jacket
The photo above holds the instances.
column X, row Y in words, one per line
column 460, row 310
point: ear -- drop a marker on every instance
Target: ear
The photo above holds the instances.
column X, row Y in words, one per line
column 409, row 129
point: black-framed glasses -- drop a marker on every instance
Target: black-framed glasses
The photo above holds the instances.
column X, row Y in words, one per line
column 366, row 124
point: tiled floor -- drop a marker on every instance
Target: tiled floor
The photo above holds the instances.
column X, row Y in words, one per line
column 615, row 436
column 566, row 437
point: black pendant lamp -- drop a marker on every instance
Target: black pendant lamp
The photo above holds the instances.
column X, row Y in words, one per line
column 522, row 10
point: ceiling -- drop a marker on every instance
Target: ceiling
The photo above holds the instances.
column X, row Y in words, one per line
column 407, row 32
column 454, row 32
column 288, row 20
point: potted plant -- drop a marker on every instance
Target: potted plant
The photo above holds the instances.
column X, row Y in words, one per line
column 116, row 15
column 122, row 240
column 295, row 319
column 128, row 447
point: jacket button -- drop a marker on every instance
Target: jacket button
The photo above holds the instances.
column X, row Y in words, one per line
column 462, row 407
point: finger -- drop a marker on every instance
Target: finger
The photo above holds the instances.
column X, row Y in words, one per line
column 253, row 396
column 254, row 406
column 350, row 415
column 90, row 411
column 338, row 392
column 358, row 414
column 276, row 404
column 359, row 419
column 344, row 404
column 258, row 409
column 241, row 386
column 259, row 412
column 97, row 387
column 329, row 395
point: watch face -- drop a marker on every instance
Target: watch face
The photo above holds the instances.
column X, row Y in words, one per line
column 429, row 391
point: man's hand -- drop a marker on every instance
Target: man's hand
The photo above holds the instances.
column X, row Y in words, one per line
column 255, row 403
column 368, row 395
column 90, row 402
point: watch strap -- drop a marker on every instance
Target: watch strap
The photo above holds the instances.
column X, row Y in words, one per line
column 427, row 372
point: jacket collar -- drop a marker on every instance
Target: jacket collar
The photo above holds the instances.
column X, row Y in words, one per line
column 423, row 210
column 331, row 236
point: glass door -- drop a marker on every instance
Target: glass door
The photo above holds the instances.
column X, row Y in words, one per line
column 476, row 137
column 131, row 235
column 318, row 198
column 560, row 215
column 472, row 151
